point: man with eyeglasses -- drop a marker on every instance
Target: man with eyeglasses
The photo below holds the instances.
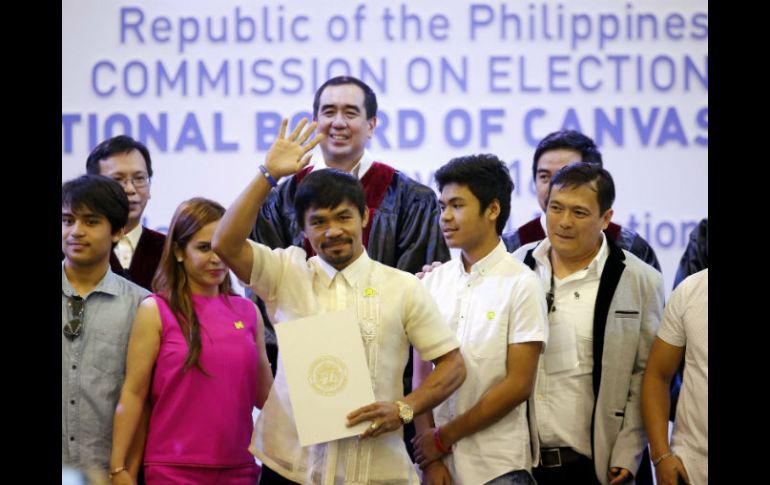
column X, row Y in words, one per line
column 604, row 307
column 98, row 309
column 127, row 161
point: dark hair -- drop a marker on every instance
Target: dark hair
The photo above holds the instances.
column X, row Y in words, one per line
column 486, row 176
column 170, row 281
column 326, row 189
column 570, row 140
column 98, row 194
column 581, row 173
column 116, row 145
column 370, row 99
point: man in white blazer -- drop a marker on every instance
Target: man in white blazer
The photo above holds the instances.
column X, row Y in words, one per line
column 604, row 308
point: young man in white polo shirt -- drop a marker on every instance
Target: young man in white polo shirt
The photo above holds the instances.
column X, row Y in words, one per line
column 496, row 307
column 392, row 307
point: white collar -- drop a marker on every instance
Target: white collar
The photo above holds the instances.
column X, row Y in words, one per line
column 364, row 164
column 134, row 235
column 540, row 253
column 487, row 262
column 353, row 273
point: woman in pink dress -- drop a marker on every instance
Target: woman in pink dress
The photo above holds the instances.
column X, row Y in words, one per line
column 198, row 350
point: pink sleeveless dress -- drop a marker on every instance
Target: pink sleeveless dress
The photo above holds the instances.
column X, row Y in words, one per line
column 204, row 420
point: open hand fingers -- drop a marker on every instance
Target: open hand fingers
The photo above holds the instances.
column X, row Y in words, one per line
column 297, row 129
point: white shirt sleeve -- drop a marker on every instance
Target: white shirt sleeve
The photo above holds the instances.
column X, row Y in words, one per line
column 271, row 268
column 424, row 325
column 528, row 320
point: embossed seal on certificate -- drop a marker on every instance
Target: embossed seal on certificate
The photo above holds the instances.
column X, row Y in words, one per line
column 327, row 375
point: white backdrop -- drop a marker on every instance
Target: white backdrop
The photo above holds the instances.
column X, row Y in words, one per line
column 204, row 85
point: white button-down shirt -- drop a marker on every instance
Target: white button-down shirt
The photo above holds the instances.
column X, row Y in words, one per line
column 126, row 247
column 564, row 400
column 500, row 302
column 394, row 310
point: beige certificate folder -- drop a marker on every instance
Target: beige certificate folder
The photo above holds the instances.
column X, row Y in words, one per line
column 325, row 365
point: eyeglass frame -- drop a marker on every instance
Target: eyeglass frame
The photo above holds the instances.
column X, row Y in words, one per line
column 76, row 320
column 133, row 180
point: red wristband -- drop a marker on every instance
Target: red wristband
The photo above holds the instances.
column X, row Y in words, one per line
column 439, row 445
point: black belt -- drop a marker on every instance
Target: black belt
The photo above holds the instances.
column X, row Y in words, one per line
column 553, row 457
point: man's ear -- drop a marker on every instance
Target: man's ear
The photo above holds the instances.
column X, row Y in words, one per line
column 371, row 124
column 606, row 218
column 493, row 210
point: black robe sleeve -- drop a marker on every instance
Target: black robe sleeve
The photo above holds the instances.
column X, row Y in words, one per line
column 696, row 254
column 405, row 233
column 636, row 245
column 276, row 225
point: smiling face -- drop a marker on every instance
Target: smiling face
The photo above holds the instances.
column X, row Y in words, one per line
column 336, row 234
column 575, row 221
column 463, row 223
column 342, row 118
column 205, row 271
column 86, row 237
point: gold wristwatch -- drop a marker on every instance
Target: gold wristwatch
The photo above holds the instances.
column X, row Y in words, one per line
column 405, row 412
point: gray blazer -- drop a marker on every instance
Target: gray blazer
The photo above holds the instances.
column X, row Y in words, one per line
column 627, row 313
